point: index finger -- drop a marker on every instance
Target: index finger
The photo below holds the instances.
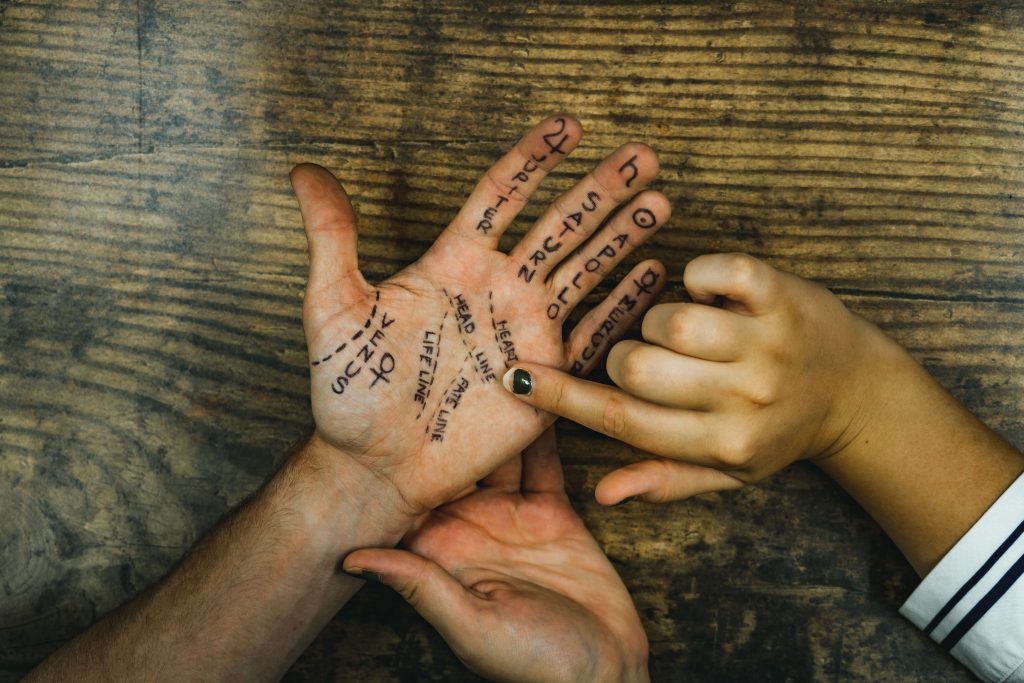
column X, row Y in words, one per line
column 669, row 432
column 505, row 188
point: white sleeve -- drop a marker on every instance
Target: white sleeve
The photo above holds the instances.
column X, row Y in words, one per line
column 972, row 603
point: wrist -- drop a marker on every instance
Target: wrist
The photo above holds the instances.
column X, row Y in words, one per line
column 877, row 370
column 919, row 462
column 334, row 495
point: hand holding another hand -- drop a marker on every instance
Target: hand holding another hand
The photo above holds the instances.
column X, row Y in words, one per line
column 405, row 374
column 762, row 369
column 515, row 583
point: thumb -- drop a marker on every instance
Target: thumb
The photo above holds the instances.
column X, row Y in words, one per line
column 563, row 394
column 661, row 481
column 432, row 591
column 330, row 224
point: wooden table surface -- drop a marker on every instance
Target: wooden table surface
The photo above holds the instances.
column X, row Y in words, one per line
column 152, row 264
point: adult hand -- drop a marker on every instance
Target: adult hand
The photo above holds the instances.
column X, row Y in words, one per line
column 514, row 582
column 405, row 374
column 763, row 368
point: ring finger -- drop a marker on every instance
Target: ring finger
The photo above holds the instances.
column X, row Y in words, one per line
column 629, row 228
column 572, row 217
column 699, row 330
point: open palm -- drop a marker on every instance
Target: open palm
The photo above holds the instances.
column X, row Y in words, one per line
column 515, row 584
column 406, row 374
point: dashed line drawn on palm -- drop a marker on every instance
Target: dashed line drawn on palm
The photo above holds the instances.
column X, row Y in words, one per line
column 405, row 374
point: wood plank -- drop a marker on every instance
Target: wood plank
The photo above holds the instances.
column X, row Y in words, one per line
column 152, row 367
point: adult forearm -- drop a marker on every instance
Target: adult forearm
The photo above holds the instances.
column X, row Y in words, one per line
column 922, row 465
column 251, row 594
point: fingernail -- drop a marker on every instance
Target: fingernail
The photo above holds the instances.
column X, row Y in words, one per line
column 626, row 500
column 365, row 574
column 518, row 381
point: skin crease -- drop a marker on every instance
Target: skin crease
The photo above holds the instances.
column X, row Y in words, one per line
column 765, row 368
column 252, row 594
column 514, row 582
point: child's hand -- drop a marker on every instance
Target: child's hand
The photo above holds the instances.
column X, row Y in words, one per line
column 763, row 369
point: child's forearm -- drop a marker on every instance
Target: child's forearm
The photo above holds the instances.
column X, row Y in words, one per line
column 922, row 465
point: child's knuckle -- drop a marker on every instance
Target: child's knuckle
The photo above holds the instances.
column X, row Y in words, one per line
column 635, row 369
column 614, row 417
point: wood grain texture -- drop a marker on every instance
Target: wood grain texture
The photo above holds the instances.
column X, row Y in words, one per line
column 152, row 365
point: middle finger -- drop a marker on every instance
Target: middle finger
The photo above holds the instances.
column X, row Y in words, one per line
column 667, row 378
column 573, row 216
